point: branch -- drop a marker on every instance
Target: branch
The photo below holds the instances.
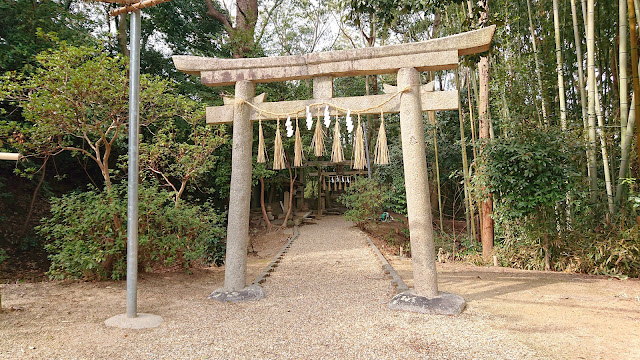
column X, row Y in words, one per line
column 73, row 148
column 224, row 19
column 269, row 14
column 164, row 177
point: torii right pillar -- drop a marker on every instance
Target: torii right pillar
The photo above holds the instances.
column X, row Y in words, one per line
column 425, row 297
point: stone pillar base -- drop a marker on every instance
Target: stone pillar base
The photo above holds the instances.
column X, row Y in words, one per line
column 249, row 293
column 443, row 304
column 142, row 321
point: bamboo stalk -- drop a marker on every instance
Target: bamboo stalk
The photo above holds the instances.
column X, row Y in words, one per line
column 605, row 156
column 473, row 129
column 591, row 94
column 465, row 173
column 622, row 64
column 435, row 149
column 634, row 71
column 136, row 6
column 123, row 2
column 624, row 156
column 581, row 84
column 561, row 92
column 537, row 63
column 10, row 156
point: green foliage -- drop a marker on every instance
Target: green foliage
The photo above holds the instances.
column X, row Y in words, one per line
column 3, row 256
column 529, row 171
column 23, row 21
column 86, row 233
column 182, row 151
column 364, row 200
column 393, row 175
column 611, row 251
column 77, row 101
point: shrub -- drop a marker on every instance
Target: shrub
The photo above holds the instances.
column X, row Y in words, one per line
column 364, row 200
column 86, row 233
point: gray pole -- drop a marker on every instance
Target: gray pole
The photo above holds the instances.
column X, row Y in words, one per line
column 132, row 207
column 417, row 185
column 240, row 191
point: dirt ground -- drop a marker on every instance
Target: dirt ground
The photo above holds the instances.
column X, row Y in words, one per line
column 568, row 316
column 561, row 316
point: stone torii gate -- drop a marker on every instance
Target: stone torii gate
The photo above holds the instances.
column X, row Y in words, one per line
column 407, row 60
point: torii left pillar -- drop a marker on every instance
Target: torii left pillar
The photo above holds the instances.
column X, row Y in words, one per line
column 235, row 286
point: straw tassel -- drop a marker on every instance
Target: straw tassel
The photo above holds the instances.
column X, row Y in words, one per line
column 297, row 159
column 337, row 155
column 318, row 138
column 382, row 149
column 278, row 150
column 359, row 156
column 261, row 152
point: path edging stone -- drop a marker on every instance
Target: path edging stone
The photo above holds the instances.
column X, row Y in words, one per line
column 396, row 280
column 271, row 267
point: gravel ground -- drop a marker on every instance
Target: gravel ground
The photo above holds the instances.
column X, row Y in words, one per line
column 327, row 299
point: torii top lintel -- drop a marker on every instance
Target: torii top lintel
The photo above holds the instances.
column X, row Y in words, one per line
column 437, row 54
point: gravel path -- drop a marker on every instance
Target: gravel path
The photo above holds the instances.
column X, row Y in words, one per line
column 327, row 300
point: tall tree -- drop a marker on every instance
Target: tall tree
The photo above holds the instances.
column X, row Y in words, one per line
column 484, row 118
column 623, row 63
column 561, row 93
column 591, row 94
column 537, row 63
column 241, row 35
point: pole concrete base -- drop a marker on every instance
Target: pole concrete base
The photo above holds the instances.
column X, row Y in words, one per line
column 142, row 321
column 442, row 304
column 249, row 293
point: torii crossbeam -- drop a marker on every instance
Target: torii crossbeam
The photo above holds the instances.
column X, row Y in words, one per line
column 407, row 60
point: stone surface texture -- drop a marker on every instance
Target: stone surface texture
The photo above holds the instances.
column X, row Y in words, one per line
column 429, row 100
column 338, row 62
column 442, row 304
column 417, row 185
column 240, row 192
column 250, row 293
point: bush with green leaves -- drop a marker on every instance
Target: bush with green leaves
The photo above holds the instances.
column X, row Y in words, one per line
column 86, row 233
column 530, row 174
column 529, row 171
column 364, row 200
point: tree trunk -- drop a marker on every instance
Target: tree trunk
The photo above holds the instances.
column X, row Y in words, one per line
column 623, row 63
column 547, row 254
column 244, row 32
column 561, row 94
column 122, row 34
column 292, row 180
column 591, row 86
column 634, row 71
column 605, row 156
column 625, row 153
column 33, row 198
column 262, row 207
column 537, row 63
column 465, row 170
column 483, row 115
column 581, row 85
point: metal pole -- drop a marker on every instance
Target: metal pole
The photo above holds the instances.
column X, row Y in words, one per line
column 132, row 207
